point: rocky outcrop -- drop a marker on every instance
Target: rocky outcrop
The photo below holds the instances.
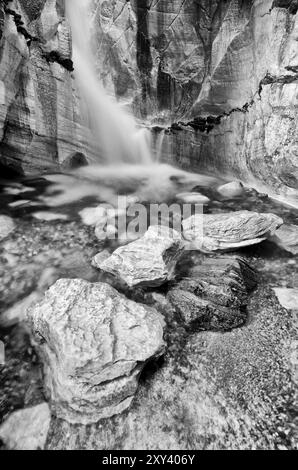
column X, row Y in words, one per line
column 221, row 232
column 213, row 295
column 40, row 124
column 94, row 343
column 149, row 261
column 220, row 77
column 26, row 429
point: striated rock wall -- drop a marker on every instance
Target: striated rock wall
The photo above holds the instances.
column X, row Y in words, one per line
column 216, row 79
column 220, row 76
column 39, row 119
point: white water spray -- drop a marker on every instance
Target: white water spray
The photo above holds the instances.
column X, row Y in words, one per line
column 116, row 133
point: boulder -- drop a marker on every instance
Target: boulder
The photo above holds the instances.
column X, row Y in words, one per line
column 26, row 429
column 286, row 237
column 94, row 343
column 6, row 226
column 213, row 294
column 148, row 261
column 221, row 232
column 230, row 190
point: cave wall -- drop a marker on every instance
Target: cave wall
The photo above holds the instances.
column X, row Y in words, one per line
column 39, row 110
column 220, row 76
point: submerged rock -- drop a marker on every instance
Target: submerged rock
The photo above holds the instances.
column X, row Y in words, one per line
column 287, row 297
column 220, row 232
column 7, row 225
column 230, row 190
column 214, row 293
column 27, row 429
column 286, row 237
column 49, row 216
column 94, row 343
column 148, row 261
column 17, row 313
column 193, row 198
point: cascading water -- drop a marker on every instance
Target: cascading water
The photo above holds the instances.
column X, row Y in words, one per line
column 116, row 133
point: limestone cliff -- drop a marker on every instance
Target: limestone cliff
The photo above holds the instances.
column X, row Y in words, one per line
column 220, row 76
column 39, row 118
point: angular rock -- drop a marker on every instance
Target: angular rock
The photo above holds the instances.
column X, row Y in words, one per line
column 6, row 226
column 27, row 429
column 213, row 295
column 220, row 232
column 287, row 297
column 148, row 261
column 286, row 237
column 94, row 343
column 230, row 190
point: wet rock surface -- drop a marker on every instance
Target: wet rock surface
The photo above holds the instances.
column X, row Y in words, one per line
column 213, row 294
column 149, row 261
column 94, row 343
column 39, row 114
column 226, row 231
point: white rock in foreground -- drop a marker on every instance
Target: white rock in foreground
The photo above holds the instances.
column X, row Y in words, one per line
column 287, row 297
column 94, row 343
column 220, row 232
column 26, row 429
column 6, row 226
column 233, row 189
column 148, row 261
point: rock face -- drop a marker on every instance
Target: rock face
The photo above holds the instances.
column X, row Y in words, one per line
column 27, row 429
column 149, row 261
column 230, row 190
column 221, row 76
column 213, row 294
column 40, row 125
column 94, row 343
column 220, row 232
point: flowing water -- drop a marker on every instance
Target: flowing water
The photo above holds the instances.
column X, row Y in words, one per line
column 117, row 136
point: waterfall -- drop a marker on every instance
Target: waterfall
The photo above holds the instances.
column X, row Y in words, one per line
column 117, row 137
